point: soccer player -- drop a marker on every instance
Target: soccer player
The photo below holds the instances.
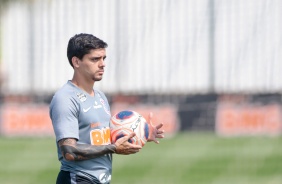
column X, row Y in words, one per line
column 81, row 115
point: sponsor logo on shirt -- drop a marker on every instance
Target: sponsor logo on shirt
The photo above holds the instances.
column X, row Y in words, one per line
column 94, row 125
column 100, row 136
column 104, row 106
column 81, row 96
column 105, row 177
column 97, row 106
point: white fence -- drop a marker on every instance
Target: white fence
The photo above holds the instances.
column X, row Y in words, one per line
column 155, row 46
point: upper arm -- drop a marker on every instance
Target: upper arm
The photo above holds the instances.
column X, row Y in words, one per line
column 64, row 116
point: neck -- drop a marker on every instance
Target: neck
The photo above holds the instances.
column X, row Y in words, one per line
column 87, row 86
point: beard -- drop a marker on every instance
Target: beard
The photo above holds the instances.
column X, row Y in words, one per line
column 97, row 78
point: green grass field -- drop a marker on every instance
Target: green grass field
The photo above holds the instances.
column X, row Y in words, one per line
column 192, row 158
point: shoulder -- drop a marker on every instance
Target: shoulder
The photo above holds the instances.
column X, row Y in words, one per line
column 67, row 95
column 63, row 93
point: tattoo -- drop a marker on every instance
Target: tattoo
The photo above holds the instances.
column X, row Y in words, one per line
column 73, row 151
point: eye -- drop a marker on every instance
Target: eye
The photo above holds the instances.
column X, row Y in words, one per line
column 95, row 59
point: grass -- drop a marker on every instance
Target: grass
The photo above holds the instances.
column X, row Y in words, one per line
column 196, row 158
column 28, row 160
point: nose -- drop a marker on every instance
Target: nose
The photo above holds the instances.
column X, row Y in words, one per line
column 102, row 62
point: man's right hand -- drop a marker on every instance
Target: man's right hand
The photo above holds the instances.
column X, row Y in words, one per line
column 123, row 147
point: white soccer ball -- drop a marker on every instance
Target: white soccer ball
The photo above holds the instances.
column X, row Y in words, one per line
column 126, row 122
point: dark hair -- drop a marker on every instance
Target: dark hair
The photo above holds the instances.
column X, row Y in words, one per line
column 81, row 44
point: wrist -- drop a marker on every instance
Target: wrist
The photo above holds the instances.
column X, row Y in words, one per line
column 112, row 148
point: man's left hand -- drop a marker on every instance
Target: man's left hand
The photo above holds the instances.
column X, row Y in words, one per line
column 154, row 131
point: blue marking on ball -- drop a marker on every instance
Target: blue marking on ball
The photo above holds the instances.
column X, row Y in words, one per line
column 130, row 141
column 124, row 114
column 120, row 136
column 146, row 130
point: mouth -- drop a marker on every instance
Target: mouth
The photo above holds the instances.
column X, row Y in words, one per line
column 101, row 72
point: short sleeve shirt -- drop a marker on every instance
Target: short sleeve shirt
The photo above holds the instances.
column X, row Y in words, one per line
column 76, row 114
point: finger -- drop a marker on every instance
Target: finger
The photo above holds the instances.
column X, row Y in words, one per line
column 150, row 117
column 160, row 136
column 133, row 151
column 135, row 147
column 131, row 135
column 159, row 126
column 156, row 141
column 126, row 138
column 160, row 131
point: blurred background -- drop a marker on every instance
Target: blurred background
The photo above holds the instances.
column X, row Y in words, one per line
column 209, row 66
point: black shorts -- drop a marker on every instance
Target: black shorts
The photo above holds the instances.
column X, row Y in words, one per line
column 65, row 177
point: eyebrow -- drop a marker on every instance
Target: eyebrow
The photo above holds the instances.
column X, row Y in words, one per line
column 104, row 57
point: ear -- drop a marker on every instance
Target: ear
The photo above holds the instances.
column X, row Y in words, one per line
column 75, row 62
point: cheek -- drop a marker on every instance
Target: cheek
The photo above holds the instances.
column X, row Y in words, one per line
column 93, row 68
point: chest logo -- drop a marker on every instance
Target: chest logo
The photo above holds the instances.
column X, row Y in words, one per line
column 87, row 109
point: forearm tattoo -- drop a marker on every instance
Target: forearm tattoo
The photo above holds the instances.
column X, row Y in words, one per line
column 73, row 151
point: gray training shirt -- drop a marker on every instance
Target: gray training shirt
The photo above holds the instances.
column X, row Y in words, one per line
column 76, row 114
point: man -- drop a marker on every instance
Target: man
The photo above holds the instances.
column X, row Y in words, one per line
column 80, row 116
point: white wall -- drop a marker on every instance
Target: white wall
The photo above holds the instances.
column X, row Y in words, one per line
column 158, row 46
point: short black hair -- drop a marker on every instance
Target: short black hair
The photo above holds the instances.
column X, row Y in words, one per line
column 81, row 44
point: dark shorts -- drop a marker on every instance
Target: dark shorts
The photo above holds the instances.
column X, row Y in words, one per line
column 65, row 177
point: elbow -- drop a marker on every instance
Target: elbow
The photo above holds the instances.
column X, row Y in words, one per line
column 69, row 157
column 68, row 153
